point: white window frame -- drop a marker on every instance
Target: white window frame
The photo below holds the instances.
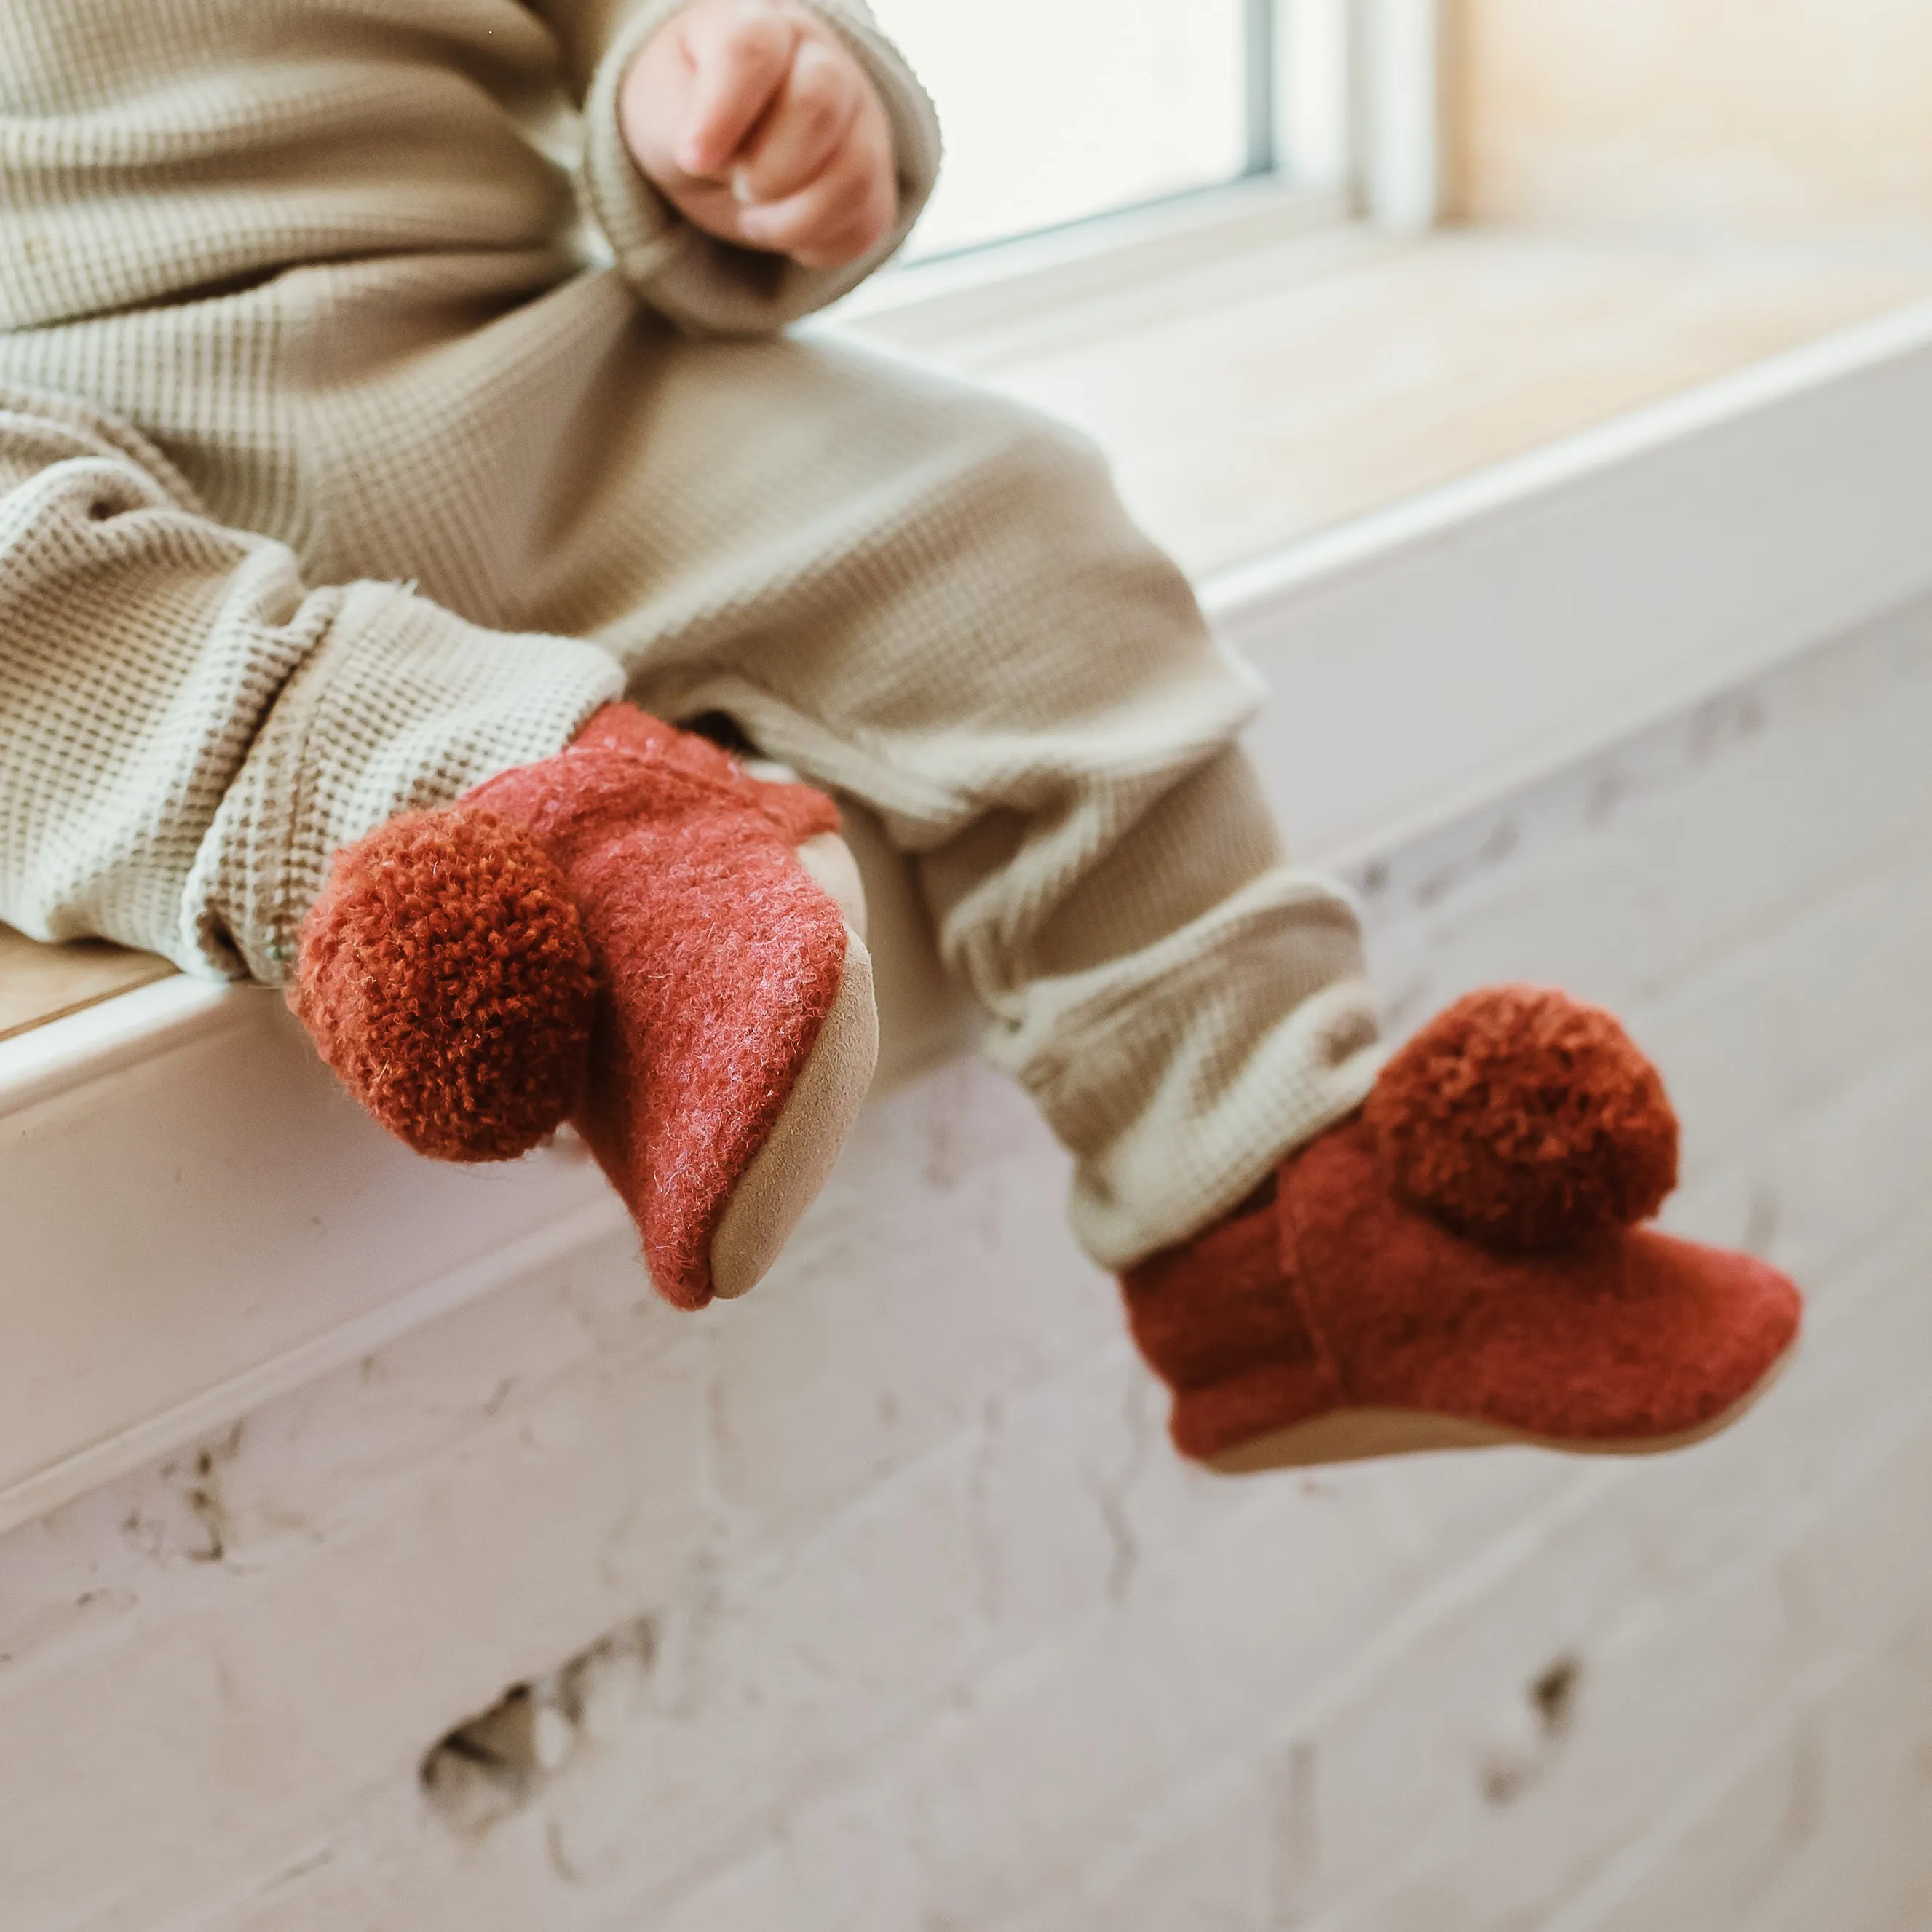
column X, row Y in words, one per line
column 1359, row 107
column 1346, row 123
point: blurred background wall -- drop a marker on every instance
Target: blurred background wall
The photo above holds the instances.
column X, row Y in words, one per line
column 1767, row 115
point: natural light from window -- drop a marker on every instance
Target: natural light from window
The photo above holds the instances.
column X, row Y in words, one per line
column 1054, row 110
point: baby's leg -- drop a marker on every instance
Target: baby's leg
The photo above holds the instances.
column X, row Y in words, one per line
column 631, row 935
column 933, row 601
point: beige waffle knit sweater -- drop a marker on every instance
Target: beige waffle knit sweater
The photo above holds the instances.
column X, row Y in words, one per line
column 274, row 234
column 367, row 422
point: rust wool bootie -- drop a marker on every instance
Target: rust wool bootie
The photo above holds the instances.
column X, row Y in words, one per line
column 1460, row 1263
column 637, row 936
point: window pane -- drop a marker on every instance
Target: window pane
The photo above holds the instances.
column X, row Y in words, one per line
column 1054, row 110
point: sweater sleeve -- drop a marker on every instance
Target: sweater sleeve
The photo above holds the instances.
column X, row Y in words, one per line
column 707, row 286
column 188, row 732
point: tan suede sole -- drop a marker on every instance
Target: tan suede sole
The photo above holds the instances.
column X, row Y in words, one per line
column 785, row 1178
column 797, row 1159
column 1362, row 1434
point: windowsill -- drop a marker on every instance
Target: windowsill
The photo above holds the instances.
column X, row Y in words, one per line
column 1266, row 373
column 40, row 984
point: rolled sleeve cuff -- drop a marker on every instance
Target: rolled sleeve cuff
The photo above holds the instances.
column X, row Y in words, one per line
column 709, row 287
column 400, row 706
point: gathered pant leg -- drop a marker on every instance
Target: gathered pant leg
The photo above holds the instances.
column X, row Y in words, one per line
column 933, row 601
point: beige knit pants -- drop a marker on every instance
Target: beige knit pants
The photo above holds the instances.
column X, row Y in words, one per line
column 356, row 443
column 916, row 596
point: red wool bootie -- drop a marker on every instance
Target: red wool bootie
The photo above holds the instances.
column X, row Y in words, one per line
column 637, row 936
column 1459, row 1263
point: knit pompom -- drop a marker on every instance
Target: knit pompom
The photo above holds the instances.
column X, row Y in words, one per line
column 444, row 975
column 1525, row 1120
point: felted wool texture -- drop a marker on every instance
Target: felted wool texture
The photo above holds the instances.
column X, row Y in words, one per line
column 421, row 456
column 1634, row 1333
column 718, row 955
column 1526, row 1119
column 445, row 978
column 1630, row 1334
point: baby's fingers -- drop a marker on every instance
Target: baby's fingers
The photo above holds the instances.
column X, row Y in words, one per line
column 805, row 128
column 741, row 55
column 843, row 215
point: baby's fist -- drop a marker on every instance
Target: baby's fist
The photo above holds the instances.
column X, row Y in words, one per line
column 758, row 125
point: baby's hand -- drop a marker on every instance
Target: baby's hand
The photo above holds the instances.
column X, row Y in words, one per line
column 759, row 126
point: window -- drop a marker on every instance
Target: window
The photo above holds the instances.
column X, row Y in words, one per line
column 1055, row 110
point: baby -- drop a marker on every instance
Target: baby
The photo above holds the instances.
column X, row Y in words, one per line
column 398, row 439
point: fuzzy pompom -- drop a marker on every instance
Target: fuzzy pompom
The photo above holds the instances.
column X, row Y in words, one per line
column 1524, row 1119
column 444, row 975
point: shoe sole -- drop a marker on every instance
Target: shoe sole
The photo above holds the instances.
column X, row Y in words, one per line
column 788, row 1171
column 1366, row 1435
